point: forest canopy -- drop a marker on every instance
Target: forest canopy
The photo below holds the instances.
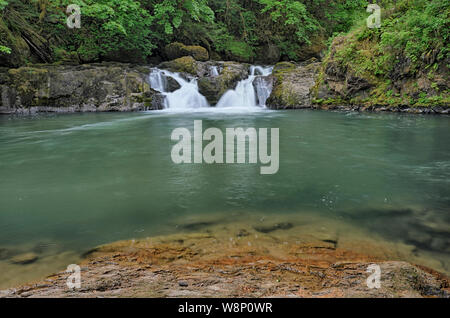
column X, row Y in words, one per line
column 242, row 30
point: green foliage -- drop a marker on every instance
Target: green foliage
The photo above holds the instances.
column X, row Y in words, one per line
column 423, row 27
column 5, row 50
column 170, row 14
column 236, row 29
column 293, row 15
column 107, row 27
column 3, row 4
column 412, row 43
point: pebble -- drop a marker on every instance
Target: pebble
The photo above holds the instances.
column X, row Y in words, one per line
column 183, row 283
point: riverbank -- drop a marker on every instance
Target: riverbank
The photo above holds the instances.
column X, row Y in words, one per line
column 236, row 259
column 119, row 87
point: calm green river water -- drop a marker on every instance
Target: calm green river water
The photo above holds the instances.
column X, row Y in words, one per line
column 71, row 182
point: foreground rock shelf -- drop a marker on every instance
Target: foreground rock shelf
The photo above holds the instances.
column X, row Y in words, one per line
column 237, row 261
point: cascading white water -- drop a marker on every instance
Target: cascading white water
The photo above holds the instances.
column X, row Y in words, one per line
column 249, row 93
column 187, row 96
column 157, row 80
column 263, row 88
column 214, row 71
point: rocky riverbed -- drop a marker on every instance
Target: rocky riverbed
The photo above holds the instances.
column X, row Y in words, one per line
column 237, row 259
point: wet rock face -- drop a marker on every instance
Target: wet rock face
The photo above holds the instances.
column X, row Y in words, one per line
column 407, row 87
column 340, row 82
column 84, row 88
column 213, row 87
column 292, row 85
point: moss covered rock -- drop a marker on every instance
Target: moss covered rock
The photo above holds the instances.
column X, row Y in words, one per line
column 89, row 87
column 292, row 85
column 213, row 87
column 176, row 50
column 352, row 74
column 185, row 64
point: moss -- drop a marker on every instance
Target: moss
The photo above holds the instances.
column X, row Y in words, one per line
column 30, row 83
column 176, row 50
column 20, row 51
column 185, row 64
column 198, row 53
column 283, row 66
column 239, row 51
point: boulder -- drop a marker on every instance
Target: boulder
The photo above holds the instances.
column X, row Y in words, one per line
column 315, row 49
column 185, row 64
column 176, row 50
column 213, row 87
column 292, row 85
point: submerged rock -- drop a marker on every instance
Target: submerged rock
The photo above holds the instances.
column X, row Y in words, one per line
column 23, row 259
column 274, row 227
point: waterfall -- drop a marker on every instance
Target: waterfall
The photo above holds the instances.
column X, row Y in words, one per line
column 251, row 92
column 214, row 71
column 187, row 96
column 157, row 80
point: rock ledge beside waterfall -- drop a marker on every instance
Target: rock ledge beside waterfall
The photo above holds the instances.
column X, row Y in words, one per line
column 84, row 88
column 107, row 87
column 118, row 87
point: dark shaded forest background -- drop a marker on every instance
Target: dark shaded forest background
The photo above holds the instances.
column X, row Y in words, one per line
column 267, row 31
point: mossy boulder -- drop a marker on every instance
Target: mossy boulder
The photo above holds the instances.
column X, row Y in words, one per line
column 197, row 52
column 213, row 87
column 292, row 85
column 185, row 64
column 176, row 50
column 315, row 49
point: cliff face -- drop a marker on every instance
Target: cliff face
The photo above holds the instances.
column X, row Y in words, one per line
column 88, row 88
column 352, row 75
